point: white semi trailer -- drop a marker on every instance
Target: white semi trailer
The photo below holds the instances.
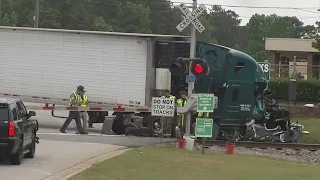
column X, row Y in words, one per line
column 45, row 66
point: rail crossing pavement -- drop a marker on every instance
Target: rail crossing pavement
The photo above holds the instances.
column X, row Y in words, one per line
column 120, row 140
column 56, row 159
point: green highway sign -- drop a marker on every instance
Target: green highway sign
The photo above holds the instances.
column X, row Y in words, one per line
column 205, row 103
column 266, row 69
column 203, row 127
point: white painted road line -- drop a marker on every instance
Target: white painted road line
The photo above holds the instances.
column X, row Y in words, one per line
column 66, row 134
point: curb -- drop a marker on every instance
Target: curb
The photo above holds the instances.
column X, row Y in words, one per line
column 81, row 166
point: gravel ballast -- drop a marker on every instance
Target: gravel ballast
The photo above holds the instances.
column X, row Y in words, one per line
column 301, row 156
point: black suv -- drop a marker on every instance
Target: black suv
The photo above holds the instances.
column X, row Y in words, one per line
column 17, row 131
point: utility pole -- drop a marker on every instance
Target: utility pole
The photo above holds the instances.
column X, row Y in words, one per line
column 0, row 11
column 193, row 41
column 192, row 48
column 36, row 14
column 294, row 72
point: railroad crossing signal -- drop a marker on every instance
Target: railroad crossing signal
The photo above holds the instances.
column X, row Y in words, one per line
column 191, row 17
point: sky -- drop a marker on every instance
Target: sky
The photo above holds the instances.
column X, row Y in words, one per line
column 308, row 15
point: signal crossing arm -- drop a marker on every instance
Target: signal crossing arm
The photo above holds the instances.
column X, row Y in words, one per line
column 68, row 108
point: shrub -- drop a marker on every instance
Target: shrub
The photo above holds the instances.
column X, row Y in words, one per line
column 307, row 90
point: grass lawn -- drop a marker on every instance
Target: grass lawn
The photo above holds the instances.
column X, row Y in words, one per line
column 313, row 126
column 164, row 163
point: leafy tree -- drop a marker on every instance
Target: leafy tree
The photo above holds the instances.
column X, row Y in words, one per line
column 163, row 16
column 225, row 26
column 9, row 19
column 272, row 26
column 99, row 24
column 133, row 18
column 310, row 31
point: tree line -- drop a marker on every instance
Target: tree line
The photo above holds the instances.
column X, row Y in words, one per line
column 156, row 16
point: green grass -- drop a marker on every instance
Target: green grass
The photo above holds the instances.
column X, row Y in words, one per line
column 313, row 126
column 164, row 163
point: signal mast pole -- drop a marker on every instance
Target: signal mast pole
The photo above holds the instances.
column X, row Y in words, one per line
column 192, row 49
column 192, row 55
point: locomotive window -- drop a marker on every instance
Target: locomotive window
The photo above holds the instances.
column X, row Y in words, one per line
column 235, row 94
column 238, row 67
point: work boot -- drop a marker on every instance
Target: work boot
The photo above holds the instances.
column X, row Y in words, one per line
column 62, row 131
column 82, row 132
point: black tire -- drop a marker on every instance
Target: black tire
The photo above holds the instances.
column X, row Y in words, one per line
column 16, row 159
column 150, row 121
column 32, row 148
column 118, row 126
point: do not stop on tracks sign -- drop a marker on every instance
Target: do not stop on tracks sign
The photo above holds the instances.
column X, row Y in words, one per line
column 163, row 107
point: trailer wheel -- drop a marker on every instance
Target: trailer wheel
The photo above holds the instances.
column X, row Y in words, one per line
column 118, row 126
column 154, row 123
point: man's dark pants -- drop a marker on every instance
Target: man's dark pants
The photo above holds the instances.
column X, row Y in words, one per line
column 73, row 115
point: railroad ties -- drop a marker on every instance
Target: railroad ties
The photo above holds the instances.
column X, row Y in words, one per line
column 264, row 145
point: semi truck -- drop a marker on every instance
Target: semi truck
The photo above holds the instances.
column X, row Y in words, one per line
column 118, row 70
column 121, row 72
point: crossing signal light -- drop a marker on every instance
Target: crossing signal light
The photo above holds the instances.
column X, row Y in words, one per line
column 200, row 67
column 180, row 67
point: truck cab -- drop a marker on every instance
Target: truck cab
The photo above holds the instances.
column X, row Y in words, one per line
column 235, row 78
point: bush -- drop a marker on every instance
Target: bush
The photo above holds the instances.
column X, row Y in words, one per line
column 307, row 90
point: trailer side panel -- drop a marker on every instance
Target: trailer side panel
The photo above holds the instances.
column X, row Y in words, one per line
column 51, row 64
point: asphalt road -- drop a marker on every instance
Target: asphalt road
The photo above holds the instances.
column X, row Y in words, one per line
column 49, row 129
column 53, row 157
column 57, row 151
column 47, row 121
column 127, row 141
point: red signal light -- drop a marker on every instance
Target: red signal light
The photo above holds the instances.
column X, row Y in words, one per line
column 198, row 68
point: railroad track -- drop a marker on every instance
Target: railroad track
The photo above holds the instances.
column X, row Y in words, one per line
column 264, row 145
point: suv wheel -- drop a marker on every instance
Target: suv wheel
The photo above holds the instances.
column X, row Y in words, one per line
column 16, row 158
column 32, row 148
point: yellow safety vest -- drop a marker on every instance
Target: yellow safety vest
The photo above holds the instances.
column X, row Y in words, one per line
column 181, row 104
column 206, row 115
column 78, row 99
column 85, row 101
column 171, row 97
column 180, row 101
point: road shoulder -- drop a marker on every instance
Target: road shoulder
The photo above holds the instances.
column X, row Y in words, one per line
column 79, row 167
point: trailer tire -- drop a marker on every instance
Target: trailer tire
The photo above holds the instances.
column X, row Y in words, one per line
column 118, row 126
column 150, row 121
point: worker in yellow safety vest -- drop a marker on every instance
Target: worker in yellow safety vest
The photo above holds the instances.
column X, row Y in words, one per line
column 180, row 119
column 203, row 115
column 167, row 94
column 181, row 102
column 84, row 114
column 75, row 101
column 168, row 123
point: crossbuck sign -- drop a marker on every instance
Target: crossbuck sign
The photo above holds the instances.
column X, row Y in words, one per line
column 191, row 17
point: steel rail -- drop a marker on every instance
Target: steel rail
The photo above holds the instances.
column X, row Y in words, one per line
column 263, row 145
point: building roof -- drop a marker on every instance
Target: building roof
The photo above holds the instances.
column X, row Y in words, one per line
column 289, row 44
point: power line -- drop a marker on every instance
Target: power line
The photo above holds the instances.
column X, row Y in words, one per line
column 253, row 7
